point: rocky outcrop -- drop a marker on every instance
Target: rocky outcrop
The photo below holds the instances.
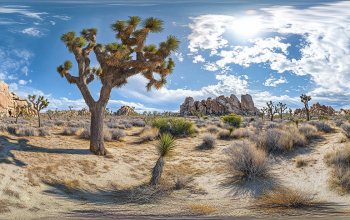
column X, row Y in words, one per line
column 316, row 109
column 342, row 112
column 10, row 102
column 220, row 105
column 84, row 112
column 125, row 110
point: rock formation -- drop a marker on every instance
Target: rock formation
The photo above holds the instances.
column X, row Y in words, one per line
column 342, row 112
column 316, row 109
column 220, row 105
column 84, row 112
column 126, row 110
column 10, row 102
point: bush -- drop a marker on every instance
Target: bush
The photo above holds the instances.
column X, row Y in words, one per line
column 86, row 133
column 176, row 126
column 346, row 130
column 224, row 134
column 338, row 122
column 59, row 123
column 309, row 132
column 300, row 162
column 149, row 134
column 246, row 161
column 240, row 133
column 273, row 125
column 162, row 124
column 107, row 136
column 321, row 126
column 212, row 130
column 209, row 141
column 26, row 131
column 232, row 119
column 347, row 117
column 287, row 198
column 323, row 117
column 117, row 134
column 70, row 131
column 12, row 129
column 201, row 125
column 182, row 181
column 44, row 131
column 138, row 123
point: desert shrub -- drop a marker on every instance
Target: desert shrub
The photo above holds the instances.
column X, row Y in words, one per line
column 85, row 134
column 201, row 125
column 77, row 124
column 258, row 125
column 127, row 125
column 285, row 197
column 346, row 130
column 232, row 119
column 347, row 117
column 182, row 181
column 246, row 161
column 12, row 129
column 309, row 132
column 59, row 123
column 323, row 117
column 120, row 126
column 273, row 125
column 209, row 141
column 113, row 125
column 70, row 131
column 148, row 193
column 26, row 131
column 44, row 131
column 196, row 130
column 224, row 134
column 321, row 126
column 244, row 124
column 162, row 124
column 240, row 133
column 276, row 141
column 138, row 123
column 212, row 130
column 180, row 126
column 149, row 134
column 338, row 122
column 3, row 127
column 48, row 124
column 107, row 136
column 117, row 134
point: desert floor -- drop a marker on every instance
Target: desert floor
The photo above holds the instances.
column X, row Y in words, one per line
column 57, row 177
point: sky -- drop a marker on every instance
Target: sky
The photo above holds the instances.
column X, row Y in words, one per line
column 272, row 50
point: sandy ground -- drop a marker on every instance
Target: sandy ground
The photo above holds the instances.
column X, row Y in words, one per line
column 86, row 185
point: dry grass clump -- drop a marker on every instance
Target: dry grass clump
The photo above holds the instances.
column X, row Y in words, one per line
column 240, row 133
column 338, row 122
column 149, row 134
column 277, row 141
column 43, row 131
column 209, row 141
column 224, row 134
column 4, row 205
column 286, row 198
column 72, row 184
column 117, row 134
column 182, row 181
column 247, row 161
column 300, row 162
column 212, row 130
column 340, row 160
column 26, row 131
column 309, row 131
column 201, row 208
column 321, row 126
column 70, row 131
column 346, row 130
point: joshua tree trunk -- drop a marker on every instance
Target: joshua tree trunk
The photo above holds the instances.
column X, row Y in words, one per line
column 281, row 114
column 96, row 131
column 307, row 114
column 272, row 117
column 157, row 171
column 39, row 118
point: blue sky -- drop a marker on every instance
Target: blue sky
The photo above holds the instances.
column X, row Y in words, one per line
column 273, row 50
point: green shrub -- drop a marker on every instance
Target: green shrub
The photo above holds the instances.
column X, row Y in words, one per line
column 232, row 119
column 323, row 117
column 176, row 126
column 251, row 119
column 347, row 117
column 206, row 117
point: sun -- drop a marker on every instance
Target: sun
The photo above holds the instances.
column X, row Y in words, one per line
column 247, row 26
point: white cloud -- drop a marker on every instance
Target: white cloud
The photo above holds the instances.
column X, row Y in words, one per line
column 179, row 56
column 13, row 87
column 32, row 32
column 53, row 23
column 207, row 31
column 198, row 58
column 21, row 10
column 22, row 82
column 13, row 62
column 270, row 81
column 287, row 91
column 65, row 18
column 30, row 81
column 210, row 66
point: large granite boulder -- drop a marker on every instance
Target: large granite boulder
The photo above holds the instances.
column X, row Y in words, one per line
column 126, row 110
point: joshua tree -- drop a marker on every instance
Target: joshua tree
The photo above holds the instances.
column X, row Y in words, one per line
column 263, row 110
column 305, row 99
column 70, row 107
column 165, row 145
column 290, row 112
column 39, row 104
column 116, row 65
column 49, row 113
column 21, row 111
column 271, row 109
column 282, row 107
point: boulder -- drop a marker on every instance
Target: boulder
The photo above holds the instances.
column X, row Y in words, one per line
column 247, row 103
column 126, row 110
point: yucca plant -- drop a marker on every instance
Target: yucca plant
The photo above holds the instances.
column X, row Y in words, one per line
column 165, row 145
column 231, row 129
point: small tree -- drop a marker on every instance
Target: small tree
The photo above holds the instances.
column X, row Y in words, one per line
column 49, row 113
column 21, row 111
column 39, row 104
column 282, row 107
column 116, row 65
column 271, row 109
column 165, row 145
column 290, row 112
column 263, row 110
column 305, row 99
column 70, row 107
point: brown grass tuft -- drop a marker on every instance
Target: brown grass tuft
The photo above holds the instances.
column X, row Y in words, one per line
column 149, row 134
column 300, row 162
column 201, row 209
column 72, row 184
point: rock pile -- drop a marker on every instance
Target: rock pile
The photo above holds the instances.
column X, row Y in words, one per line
column 125, row 110
column 220, row 105
column 342, row 112
column 84, row 112
column 10, row 102
column 316, row 109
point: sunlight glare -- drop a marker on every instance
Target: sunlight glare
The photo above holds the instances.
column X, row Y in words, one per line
column 247, row 26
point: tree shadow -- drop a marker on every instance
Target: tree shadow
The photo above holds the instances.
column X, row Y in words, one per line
column 8, row 144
